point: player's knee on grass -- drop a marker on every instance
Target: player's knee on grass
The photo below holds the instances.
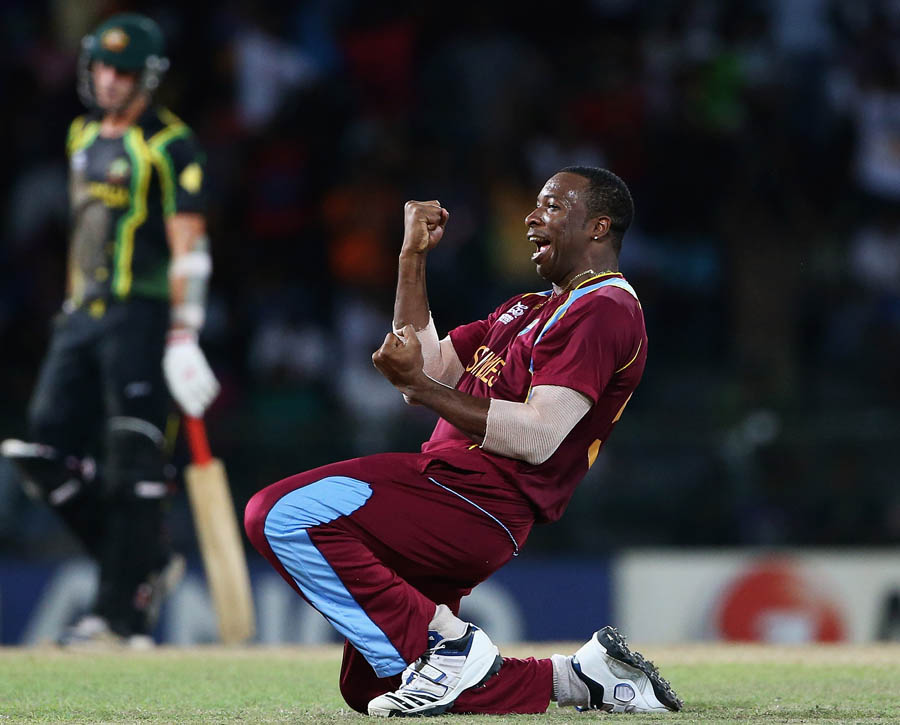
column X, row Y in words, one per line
column 357, row 698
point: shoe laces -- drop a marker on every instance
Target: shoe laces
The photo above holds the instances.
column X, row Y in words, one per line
column 423, row 673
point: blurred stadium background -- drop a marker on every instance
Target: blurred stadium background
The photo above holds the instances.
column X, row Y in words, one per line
column 751, row 490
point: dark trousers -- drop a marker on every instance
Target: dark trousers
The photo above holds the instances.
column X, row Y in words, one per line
column 101, row 393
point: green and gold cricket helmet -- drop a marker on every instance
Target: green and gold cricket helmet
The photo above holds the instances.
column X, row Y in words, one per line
column 128, row 41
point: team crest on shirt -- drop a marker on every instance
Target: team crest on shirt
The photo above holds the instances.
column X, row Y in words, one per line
column 517, row 310
column 118, row 171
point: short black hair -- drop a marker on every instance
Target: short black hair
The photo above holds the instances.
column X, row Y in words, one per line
column 607, row 195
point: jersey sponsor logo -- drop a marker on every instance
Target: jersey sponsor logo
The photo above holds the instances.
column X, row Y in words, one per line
column 517, row 310
column 118, row 171
column 486, row 365
column 110, row 194
column 115, row 40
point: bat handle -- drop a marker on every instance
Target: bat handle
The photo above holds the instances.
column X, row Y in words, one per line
column 197, row 440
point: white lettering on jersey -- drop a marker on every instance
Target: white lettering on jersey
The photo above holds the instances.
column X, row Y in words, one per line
column 517, row 310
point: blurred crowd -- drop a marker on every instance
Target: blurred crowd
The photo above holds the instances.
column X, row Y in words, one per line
column 761, row 142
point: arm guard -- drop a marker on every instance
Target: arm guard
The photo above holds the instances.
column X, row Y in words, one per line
column 439, row 356
column 532, row 431
column 194, row 268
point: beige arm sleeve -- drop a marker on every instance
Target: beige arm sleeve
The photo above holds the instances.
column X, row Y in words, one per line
column 440, row 360
column 532, row 431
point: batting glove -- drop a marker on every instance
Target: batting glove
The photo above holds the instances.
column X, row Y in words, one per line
column 189, row 377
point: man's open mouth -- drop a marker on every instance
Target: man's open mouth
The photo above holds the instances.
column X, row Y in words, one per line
column 543, row 247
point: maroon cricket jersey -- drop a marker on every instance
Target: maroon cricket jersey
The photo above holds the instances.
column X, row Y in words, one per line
column 591, row 339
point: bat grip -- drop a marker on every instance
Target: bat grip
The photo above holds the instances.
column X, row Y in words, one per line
column 197, row 440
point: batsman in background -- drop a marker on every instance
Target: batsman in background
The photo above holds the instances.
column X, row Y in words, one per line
column 386, row 546
column 137, row 278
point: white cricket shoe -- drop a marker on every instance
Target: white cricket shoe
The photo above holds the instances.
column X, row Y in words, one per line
column 431, row 684
column 619, row 679
column 91, row 632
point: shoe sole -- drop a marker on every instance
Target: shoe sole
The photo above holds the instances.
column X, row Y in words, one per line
column 615, row 646
column 442, row 709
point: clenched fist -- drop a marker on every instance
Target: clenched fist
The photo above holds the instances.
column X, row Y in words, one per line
column 424, row 223
column 399, row 358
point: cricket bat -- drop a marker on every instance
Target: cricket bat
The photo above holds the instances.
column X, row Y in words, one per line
column 219, row 538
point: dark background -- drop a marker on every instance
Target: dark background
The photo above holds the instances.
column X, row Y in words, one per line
column 761, row 141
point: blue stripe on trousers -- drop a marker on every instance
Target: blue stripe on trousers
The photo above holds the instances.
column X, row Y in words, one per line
column 285, row 528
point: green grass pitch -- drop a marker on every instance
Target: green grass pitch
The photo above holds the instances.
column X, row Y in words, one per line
column 719, row 683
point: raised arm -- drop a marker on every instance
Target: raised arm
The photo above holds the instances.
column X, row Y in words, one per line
column 424, row 223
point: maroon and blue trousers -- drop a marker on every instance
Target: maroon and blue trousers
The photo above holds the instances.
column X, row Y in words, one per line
column 375, row 543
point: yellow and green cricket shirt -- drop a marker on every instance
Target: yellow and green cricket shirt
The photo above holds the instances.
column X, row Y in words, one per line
column 121, row 192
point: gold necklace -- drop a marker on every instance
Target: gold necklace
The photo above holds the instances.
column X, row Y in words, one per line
column 568, row 287
column 580, row 274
